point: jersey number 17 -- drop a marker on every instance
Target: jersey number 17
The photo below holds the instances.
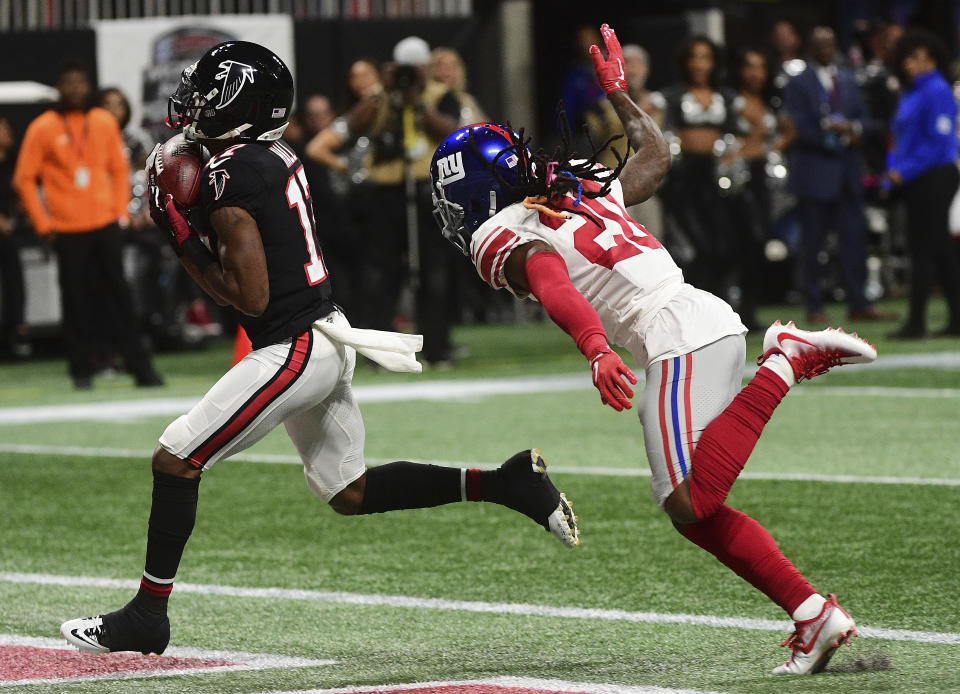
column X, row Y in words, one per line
column 298, row 195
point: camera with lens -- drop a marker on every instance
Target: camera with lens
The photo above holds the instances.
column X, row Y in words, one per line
column 405, row 77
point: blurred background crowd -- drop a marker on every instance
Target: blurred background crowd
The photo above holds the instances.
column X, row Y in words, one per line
column 814, row 163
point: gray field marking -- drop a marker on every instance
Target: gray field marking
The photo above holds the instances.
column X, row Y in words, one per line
column 467, row 389
column 520, row 609
column 285, row 459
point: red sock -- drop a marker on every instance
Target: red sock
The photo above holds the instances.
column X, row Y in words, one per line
column 728, row 440
column 743, row 545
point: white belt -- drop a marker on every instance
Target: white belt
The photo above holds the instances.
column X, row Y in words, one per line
column 393, row 351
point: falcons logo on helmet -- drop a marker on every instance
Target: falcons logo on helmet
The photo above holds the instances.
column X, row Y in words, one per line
column 233, row 76
column 218, row 179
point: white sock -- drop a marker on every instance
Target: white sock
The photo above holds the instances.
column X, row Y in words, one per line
column 779, row 365
column 809, row 608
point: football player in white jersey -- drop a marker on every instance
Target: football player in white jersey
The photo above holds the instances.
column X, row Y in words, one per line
column 555, row 228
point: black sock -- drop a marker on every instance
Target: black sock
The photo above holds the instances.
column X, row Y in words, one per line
column 402, row 485
column 405, row 485
column 492, row 488
column 172, row 517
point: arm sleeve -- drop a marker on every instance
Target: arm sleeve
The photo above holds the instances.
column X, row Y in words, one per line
column 118, row 167
column 549, row 281
column 25, row 177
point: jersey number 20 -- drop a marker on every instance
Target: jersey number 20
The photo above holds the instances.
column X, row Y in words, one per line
column 620, row 238
column 298, row 195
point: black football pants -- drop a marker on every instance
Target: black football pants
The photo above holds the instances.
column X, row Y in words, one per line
column 95, row 298
column 933, row 254
column 384, row 229
column 11, row 285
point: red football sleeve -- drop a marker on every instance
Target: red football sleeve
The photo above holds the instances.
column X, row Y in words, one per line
column 549, row 281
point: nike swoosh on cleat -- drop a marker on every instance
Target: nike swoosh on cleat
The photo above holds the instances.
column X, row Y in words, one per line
column 81, row 637
column 787, row 336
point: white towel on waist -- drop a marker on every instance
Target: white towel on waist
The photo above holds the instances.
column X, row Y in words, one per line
column 393, row 351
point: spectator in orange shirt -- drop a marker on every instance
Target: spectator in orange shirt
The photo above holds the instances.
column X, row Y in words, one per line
column 74, row 153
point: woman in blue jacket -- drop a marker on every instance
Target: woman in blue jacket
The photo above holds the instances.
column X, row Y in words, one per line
column 923, row 165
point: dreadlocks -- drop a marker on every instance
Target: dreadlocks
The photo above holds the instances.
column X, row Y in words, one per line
column 543, row 180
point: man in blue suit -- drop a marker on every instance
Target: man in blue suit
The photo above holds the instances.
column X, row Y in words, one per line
column 825, row 173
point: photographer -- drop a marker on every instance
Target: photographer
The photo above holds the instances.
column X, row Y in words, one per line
column 404, row 124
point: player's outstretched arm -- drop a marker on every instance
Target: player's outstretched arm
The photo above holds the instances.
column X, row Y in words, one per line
column 643, row 172
column 535, row 267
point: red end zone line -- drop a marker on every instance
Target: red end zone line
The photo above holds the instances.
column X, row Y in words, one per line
column 36, row 660
column 502, row 685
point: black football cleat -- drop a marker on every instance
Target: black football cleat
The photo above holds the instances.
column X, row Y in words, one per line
column 528, row 489
column 127, row 629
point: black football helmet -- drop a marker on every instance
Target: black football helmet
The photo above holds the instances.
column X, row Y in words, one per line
column 237, row 91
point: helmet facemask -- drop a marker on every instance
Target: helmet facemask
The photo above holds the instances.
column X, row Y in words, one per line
column 185, row 104
column 449, row 216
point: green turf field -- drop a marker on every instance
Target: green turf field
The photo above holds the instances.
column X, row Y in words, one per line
column 857, row 476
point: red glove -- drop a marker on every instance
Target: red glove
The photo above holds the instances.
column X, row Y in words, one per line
column 184, row 239
column 180, row 229
column 167, row 217
column 610, row 375
column 609, row 71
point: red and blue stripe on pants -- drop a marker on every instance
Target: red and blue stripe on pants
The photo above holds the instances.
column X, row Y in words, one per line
column 676, row 430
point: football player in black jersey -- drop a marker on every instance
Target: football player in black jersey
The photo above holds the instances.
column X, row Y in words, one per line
column 267, row 264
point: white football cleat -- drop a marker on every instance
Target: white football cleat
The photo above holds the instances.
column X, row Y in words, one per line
column 563, row 523
column 84, row 634
column 812, row 353
column 814, row 641
column 126, row 629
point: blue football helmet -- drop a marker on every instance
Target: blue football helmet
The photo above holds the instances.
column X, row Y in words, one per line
column 466, row 191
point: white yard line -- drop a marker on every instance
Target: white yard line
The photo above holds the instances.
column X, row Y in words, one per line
column 506, row 683
column 466, row 389
column 521, row 609
column 285, row 459
column 242, row 660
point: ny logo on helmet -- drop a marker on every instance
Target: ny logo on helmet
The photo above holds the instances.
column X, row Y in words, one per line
column 450, row 168
column 233, row 76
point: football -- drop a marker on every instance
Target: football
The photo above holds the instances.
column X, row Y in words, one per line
column 177, row 165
